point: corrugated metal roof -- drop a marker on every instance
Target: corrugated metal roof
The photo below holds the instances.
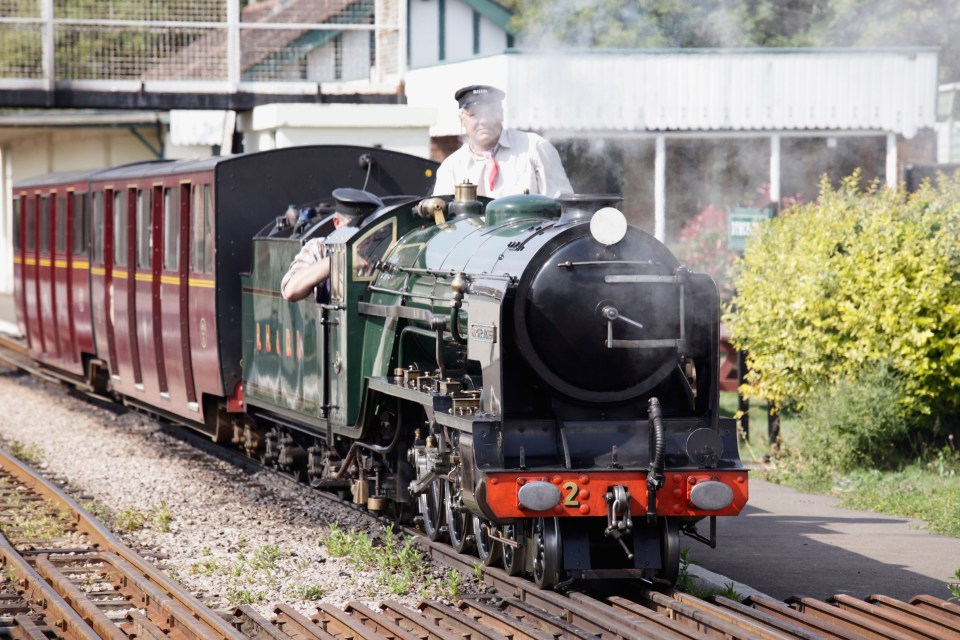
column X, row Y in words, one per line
column 891, row 90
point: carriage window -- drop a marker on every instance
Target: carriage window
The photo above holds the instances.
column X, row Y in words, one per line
column 16, row 224
column 171, row 227
column 61, row 225
column 119, row 228
column 79, row 224
column 98, row 226
column 144, row 229
column 44, row 224
column 31, row 228
column 202, row 260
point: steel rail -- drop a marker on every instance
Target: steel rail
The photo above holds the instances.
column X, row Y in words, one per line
column 376, row 620
column 147, row 575
column 35, row 590
column 517, row 610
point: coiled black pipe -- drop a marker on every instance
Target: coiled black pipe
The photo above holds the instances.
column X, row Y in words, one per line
column 655, row 470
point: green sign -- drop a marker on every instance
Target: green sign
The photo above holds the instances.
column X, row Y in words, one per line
column 740, row 225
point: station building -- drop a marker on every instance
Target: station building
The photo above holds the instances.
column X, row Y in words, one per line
column 673, row 131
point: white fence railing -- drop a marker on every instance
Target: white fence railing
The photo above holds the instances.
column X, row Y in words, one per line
column 287, row 46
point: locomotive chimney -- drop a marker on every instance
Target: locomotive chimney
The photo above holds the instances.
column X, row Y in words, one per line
column 579, row 207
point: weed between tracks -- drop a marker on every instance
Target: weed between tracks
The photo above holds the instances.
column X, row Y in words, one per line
column 688, row 583
column 34, row 520
column 25, row 452
column 37, row 521
column 159, row 518
column 400, row 564
column 253, row 576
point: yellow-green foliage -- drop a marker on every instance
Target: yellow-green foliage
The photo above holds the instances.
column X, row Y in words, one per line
column 863, row 279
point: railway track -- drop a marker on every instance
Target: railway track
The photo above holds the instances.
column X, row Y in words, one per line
column 82, row 582
column 67, row 576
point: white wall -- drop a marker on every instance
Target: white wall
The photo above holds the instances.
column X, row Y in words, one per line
column 394, row 127
column 493, row 39
column 458, row 29
column 424, row 33
column 50, row 151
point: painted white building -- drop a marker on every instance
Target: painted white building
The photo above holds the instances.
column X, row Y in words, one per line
column 443, row 31
column 948, row 124
column 771, row 115
column 395, row 127
column 670, row 130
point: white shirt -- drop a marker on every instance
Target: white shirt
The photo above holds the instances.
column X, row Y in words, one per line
column 525, row 161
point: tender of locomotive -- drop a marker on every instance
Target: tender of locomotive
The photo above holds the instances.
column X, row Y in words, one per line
column 530, row 378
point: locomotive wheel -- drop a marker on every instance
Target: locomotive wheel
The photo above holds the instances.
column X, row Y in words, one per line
column 513, row 556
column 487, row 548
column 547, row 553
column 433, row 511
column 669, row 552
column 458, row 522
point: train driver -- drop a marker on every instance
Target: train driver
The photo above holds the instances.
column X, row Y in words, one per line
column 311, row 266
column 501, row 162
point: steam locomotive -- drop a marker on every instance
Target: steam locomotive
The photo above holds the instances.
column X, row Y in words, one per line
column 531, row 378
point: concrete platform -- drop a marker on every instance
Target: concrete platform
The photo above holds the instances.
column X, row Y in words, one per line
column 790, row 543
column 8, row 316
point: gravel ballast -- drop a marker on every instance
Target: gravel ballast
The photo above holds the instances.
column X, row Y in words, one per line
column 229, row 536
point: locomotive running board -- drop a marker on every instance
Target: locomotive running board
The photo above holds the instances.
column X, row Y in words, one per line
column 437, row 405
column 400, row 311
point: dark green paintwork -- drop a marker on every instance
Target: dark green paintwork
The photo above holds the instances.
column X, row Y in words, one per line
column 293, row 384
column 274, row 378
column 348, row 346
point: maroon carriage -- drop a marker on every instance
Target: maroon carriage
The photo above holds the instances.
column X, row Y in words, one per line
column 51, row 266
column 128, row 279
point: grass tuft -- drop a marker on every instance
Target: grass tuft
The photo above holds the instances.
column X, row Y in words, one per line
column 399, row 563
column 25, row 452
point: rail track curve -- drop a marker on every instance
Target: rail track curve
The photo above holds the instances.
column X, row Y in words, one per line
column 99, row 588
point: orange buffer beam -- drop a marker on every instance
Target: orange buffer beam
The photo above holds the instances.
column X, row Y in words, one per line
column 584, row 494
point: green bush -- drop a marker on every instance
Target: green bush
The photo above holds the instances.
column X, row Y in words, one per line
column 850, row 283
column 859, row 422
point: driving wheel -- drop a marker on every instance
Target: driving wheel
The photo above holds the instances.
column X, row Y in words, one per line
column 547, row 553
column 487, row 548
column 669, row 569
column 458, row 521
column 513, row 555
column 433, row 511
